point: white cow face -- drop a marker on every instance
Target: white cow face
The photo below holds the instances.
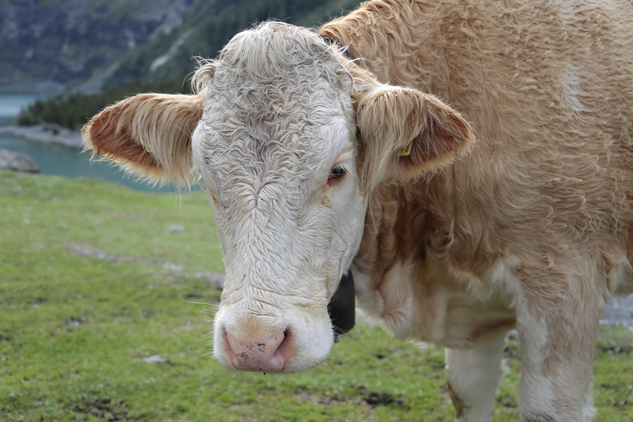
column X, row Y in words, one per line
column 288, row 137
column 277, row 151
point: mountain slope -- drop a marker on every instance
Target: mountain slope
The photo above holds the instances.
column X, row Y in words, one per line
column 57, row 45
column 210, row 25
column 50, row 45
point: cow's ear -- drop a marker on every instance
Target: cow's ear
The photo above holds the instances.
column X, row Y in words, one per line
column 148, row 135
column 406, row 134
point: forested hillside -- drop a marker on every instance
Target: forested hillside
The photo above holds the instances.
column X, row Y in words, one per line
column 210, row 24
column 163, row 62
column 52, row 45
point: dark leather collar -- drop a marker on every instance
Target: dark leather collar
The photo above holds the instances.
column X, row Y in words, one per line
column 342, row 306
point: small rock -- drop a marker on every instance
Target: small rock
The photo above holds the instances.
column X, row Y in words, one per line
column 513, row 335
column 176, row 228
column 18, row 162
column 76, row 322
column 154, row 359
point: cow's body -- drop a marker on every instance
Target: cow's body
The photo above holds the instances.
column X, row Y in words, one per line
column 536, row 223
column 547, row 89
column 532, row 229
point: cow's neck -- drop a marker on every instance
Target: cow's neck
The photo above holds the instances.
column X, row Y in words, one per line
column 413, row 260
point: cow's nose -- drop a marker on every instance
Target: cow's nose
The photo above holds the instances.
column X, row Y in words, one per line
column 264, row 354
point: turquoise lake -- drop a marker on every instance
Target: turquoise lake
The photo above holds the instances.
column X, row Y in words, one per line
column 58, row 159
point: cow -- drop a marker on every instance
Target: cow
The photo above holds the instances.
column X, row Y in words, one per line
column 466, row 165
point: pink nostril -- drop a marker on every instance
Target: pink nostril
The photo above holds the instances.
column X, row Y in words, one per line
column 263, row 354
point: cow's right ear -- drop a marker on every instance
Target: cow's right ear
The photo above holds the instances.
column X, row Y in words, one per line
column 148, row 135
column 406, row 134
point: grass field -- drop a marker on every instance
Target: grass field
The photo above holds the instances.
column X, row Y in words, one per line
column 93, row 282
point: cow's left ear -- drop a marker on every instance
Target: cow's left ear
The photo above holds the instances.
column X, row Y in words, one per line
column 406, row 134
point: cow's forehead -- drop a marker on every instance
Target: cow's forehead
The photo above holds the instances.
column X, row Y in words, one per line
column 243, row 150
column 278, row 105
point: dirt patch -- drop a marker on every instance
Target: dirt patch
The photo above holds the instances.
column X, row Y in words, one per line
column 216, row 279
column 362, row 395
column 375, row 399
column 107, row 256
column 105, row 409
column 76, row 322
column 507, row 400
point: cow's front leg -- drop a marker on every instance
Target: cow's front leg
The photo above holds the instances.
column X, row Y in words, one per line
column 558, row 336
column 472, row 377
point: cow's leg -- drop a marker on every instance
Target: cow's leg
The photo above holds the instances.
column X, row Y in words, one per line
column 558, row 326
column 472, row 377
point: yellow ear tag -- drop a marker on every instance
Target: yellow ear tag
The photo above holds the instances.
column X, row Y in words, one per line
column 147, row 149
column 406, row 151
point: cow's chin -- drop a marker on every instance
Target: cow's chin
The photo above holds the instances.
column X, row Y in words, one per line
column 290, row 344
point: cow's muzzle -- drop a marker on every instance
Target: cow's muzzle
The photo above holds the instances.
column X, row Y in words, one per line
column 342, row 306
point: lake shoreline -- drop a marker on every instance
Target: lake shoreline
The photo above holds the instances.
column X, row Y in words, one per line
column 58, row 153
column 64, row 136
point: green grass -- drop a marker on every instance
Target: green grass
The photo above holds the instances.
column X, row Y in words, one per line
column 74, row 329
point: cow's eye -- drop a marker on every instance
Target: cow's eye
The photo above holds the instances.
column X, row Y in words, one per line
column 336, row 173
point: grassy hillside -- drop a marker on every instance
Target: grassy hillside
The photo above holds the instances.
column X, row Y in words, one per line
column 93, row 282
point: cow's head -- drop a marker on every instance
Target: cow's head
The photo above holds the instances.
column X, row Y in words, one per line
column 289, row 138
